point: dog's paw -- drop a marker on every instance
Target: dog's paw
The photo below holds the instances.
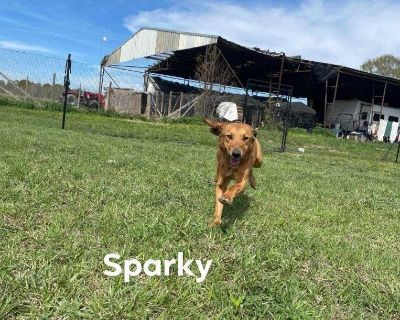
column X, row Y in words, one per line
column 215, row 223
column 253, row 183
column 225, row 200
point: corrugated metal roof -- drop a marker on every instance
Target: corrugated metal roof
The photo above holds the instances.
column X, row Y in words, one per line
column 147, row 42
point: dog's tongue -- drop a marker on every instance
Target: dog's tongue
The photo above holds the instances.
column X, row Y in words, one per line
column 234, row 162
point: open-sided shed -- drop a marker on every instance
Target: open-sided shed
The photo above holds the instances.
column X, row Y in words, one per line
column 177, row 54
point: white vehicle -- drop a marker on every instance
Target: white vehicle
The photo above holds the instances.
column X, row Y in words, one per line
column 356, row 115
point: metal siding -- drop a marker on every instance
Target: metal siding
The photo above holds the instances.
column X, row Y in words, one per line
column 190, row 41
column 148, row 42
column 141, row 45
column 115, row 57
column 166, row 41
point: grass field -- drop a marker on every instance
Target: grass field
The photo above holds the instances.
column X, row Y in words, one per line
column 318, row 239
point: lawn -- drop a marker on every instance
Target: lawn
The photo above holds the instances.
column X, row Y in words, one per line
column 318, row 239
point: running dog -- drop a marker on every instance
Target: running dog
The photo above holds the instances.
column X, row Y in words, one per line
column 238, row 153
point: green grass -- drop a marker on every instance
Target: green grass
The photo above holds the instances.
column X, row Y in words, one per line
column 318, row 239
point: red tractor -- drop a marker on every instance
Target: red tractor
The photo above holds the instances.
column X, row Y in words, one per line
column 87, row 98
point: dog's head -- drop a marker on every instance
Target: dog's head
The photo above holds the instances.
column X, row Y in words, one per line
column 236, row 139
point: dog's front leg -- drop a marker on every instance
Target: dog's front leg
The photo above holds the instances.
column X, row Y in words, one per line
column 220, row 188
column 235, row 189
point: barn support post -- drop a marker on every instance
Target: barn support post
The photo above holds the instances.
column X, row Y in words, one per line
column 398, row 149
column 156, row 100
column 101, row 79
column 148, row 105
column 336, row 88
column 270, row 93
column 146, row 80
column 231, row 69
column 169, row 103
column 383, row 99
column 108, row 104
column 280, row 74
column 371, row 113
column 162, row 103
column 330, row 105
column 286, row 122
column 246, row 89
column 245, row 103
column 180, row 104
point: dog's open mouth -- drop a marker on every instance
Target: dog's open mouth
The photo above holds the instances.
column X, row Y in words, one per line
column 234, row 162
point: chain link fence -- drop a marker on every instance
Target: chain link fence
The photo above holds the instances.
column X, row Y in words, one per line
column 133, row 91
column 37, row 78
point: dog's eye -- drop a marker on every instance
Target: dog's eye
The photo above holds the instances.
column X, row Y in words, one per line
column 229, row 136
column 246, row 138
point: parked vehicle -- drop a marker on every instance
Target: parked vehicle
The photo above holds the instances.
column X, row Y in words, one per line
column 87, row 99
column 356, row 115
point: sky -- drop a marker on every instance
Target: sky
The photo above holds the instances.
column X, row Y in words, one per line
column 342, row 32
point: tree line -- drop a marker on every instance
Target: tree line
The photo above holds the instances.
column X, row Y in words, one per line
column 385, row 65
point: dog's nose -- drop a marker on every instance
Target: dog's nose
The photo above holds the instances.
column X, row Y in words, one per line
column 236, row 153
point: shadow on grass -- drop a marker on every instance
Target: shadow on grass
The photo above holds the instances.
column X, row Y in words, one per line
column 235, row 211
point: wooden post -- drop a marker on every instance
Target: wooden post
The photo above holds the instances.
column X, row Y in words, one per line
column 280, row 74
column 383, row 99
column 79, row 95
column 26, row 85
column 231, row 69
column 371, row 114
column 148, row 105
column 162, row 102
column 109, row 93
column 180, row 104
column 245, row 104
column 336, row 87
column 170, row 103
column 157, row 98
column 54, row 87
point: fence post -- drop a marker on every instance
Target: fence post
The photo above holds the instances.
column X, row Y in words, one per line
column 169, row 103
column 108, row 102
column 54, row 86
column 26, row 85
column 79, row 94
column 157, row 96
column 162, row 103
column 180, row 104
column 148, row 105
column 66, row 88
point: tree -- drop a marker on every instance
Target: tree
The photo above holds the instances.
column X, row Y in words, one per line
column 211, row 69
column 386, row 65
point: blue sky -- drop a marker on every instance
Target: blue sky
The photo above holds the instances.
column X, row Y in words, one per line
column 345, row 32
column 60, row 27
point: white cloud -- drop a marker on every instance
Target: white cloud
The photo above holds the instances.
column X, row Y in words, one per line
column 342, row 32
column 17, row 45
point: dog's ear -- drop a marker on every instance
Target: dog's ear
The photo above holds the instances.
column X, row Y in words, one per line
column 215, row 126
column 255, row 130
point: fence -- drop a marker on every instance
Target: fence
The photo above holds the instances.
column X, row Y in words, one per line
column 38, row 78
column 28, row 76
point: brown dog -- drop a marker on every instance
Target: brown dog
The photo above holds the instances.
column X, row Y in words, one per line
column 238, row 152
